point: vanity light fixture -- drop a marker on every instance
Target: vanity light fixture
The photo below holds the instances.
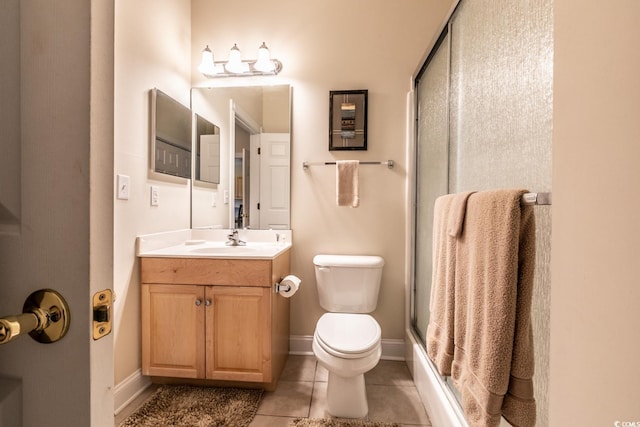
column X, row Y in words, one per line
column 235, row 66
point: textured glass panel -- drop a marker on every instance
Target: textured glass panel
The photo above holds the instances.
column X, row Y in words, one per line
column 501, row 126
column 501, row 103
column 432, row 171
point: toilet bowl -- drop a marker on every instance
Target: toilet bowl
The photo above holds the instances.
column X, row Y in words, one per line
column 347, row 345
column 347, row 341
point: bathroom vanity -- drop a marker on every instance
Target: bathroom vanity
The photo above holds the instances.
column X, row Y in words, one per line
column 210, row 313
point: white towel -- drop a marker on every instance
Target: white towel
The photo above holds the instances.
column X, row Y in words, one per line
column 347, row 183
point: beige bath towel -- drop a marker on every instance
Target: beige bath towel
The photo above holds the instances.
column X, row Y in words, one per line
column 347, row 183
column 448, row 217
column 493, row 354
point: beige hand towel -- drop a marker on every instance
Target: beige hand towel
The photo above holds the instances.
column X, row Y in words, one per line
column 439, row 335
column 448, row 218
column 458, row 211
column 347, row 183
column 493, row 353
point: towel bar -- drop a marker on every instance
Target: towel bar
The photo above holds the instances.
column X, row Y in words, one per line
column 536, row 199
column 388, row 163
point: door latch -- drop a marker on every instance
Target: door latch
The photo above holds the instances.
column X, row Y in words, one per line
column 102, row 302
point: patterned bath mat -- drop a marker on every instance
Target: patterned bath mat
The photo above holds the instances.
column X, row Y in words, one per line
column 189, row 406
column 337, row 422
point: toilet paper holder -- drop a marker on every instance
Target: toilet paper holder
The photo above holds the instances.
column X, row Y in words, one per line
column 278, row 286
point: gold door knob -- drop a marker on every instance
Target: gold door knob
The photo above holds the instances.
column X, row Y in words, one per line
column 45, row 317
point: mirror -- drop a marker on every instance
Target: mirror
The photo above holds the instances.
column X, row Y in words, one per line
column 254, row 124
column 170, row 135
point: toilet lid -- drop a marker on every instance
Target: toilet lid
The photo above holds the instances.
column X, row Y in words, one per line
column 348, row 333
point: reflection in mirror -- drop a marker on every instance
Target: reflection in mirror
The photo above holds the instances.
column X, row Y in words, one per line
column 207, row 151
column 170, row 135
column 254, row 124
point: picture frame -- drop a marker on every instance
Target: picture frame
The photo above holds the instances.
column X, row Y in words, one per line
column 348, row 119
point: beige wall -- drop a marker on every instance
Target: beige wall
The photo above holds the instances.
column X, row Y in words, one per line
column 595, row 326
column 152, row 49
column 336, row 45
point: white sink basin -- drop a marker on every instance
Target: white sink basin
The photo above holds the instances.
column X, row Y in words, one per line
column 209, row 249
column 226, row 250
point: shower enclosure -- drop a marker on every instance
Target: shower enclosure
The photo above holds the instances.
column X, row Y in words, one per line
column 483, row 110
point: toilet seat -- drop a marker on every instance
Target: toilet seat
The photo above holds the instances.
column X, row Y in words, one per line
column 348, row 335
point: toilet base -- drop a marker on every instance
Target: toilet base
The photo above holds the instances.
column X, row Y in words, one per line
column 346, row 397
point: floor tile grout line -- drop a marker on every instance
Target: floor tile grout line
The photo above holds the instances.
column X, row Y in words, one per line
column 313, row 387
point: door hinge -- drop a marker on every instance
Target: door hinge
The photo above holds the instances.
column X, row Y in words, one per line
column 259, row 151
column 258, row 205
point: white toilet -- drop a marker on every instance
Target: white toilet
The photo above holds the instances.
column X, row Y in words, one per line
column 347, row 340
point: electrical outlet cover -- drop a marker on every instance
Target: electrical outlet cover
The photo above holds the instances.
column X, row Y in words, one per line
column 155, row 195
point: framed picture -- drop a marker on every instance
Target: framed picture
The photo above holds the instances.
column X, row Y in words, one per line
column 347, row 120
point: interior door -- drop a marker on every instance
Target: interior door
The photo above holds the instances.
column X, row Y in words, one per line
column 246, row 193
column 62, row 236
column 275, row 169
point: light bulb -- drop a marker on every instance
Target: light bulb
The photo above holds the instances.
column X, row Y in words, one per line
column 234, row 65
column 207, row 66
column 264, row 62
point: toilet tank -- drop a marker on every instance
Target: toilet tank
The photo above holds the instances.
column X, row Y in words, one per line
column 348, row 283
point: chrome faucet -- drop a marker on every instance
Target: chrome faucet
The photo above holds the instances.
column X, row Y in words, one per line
column 234, row 239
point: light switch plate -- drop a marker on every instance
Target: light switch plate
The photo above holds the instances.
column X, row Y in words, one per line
column 123, row 187
column 226, row 197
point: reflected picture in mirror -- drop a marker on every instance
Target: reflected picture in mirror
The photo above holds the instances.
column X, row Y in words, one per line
column 254, row 137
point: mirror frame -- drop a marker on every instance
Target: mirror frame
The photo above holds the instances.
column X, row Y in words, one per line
column 177, row 146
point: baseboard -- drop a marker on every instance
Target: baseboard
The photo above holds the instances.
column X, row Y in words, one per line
column 126, row 391
column 300, row 345
column 391, row 349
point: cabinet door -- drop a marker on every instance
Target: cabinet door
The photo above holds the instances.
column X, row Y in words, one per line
column 173, row 330
column 238, row 325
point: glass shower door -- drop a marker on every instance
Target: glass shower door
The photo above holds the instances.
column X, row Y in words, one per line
column 432, row 170
column 484, row 102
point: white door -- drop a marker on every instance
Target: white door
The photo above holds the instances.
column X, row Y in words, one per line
column 246, row 194
column 275, row 189
column 254, row 183
column 62, row 236
column 210, row 158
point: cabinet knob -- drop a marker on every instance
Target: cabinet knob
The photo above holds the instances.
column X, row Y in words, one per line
column 198, row 302
column 207, row 302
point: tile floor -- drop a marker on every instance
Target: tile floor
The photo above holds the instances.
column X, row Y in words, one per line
column 302, row 388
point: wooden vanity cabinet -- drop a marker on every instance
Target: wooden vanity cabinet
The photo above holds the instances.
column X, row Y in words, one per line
column 214, row 319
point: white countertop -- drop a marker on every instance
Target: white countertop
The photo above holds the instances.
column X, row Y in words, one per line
column 199, row 243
